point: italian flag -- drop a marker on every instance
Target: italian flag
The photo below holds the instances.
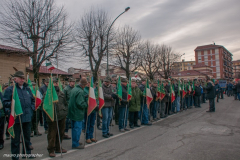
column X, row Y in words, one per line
column 51, row 97
column 119, row 89
column 38, row 98
column 50, row 66
column 158, row 91
column 129, row 90
column 30, row 86
column 193, row 87
column 189, row 87
column 92, row 103
column 100, row 95
column 136, row 74
column 16, row 110
column 183, row 89
column 172, row 93
column 148, row 94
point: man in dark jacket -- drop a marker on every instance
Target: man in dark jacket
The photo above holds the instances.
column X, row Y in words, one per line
column 168, row 99
column 154, row 104
column 230, row 89
column 163, row 103
column 235, row 90
column 60, row 113
column 238, row 89
column 211, row 95
column 144, row 109
column 197, row 95
column 43, row 90
column 108, row 107
column 28, row 106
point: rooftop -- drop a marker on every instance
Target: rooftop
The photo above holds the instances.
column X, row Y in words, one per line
column 11, row 49
column 44, row 70
column 209, row 46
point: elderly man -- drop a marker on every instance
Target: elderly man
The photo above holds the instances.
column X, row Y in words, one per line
column 28, row 106
column 108, row 107
column 67, row 90
column 76, row 109
column 60, row 116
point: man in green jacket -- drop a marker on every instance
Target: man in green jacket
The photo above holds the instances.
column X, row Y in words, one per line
column 67, row 90
column 76, row 110
column 135, row 105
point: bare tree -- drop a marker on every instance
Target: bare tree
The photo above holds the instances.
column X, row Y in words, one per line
column 165, row 59
column 38, row 26
column 126, row 49
column 149, row 55
column 91, row 37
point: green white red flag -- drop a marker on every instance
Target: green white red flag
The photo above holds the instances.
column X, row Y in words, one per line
column 50, row 66
column 30, row 86
column 100, row 95
column 173, row 97
column 129, row 90
column 119, row 89
column 50, row 98
column 189, row 87
column 158, row 91
column 193, row 87
column 16, row 110
column 92, row 103
column 38, row 98
column 162, row 90
column 148, row 94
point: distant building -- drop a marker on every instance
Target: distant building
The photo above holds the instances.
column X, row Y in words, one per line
column 236, row 69
column 182, row 66
column 217, row 57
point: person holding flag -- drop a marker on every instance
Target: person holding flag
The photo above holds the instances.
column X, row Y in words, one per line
column 90, row 115
column 22, row 104
column 155, row 103
column 144, row 117
column 163, row 99
column 67, row 91
column 108, row 107
column 76, row 109
column 134, row 104
column 55, row 106
column 197, row 95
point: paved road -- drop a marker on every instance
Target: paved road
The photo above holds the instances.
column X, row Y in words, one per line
column 192, row 134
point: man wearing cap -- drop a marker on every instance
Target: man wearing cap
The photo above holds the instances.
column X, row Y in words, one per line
column 28, row 106
column 67, row 90
column 210, row 95
column 144, row 109
column 60, row 114
column 134, row 105
column 76, row 109
column 43, row 90
column 108, row 107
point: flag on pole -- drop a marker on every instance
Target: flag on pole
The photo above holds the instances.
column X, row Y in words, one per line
column 136, row 74
column 162, row 91
column 16, row 110
column 193, row 87
column 189, row 87
column 158, row 91
column 50, row 98
column 30, row 86
column 60, row 84
column 184, row 87
column 119, row 89
column 172, row 93
column 100, row 95
column 50, row 66
column 179, row 87
column 92, row 103
column 0, row 88
column 129, row 90
column 38, row 98
column 148, row 94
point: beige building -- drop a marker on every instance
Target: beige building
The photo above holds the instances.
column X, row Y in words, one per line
column 12, row 59
column 182, row 66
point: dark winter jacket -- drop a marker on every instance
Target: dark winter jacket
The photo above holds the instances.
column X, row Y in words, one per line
column 142, row 88
column 26, row 98
column 197, row 91
column 1, row 106
column 210, row 90
column 217, row 88
column 234, row 89
column 167, row 96
column 107, row 94
column 229, row 87
column 124, row 101
column 67, row 91
column 154, row 93
column 135, row 102
column 238, row 87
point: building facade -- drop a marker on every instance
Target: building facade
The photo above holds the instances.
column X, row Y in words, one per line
column 217, row 57
column 182, row 66
column 236, row 69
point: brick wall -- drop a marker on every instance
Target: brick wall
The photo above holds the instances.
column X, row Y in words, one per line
column 8, row 61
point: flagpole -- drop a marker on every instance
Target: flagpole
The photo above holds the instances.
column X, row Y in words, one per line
column 24, row 146
column 58, row 130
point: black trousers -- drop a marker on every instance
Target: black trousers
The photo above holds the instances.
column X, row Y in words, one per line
column 2, row 123
column 133, row 118
column 197, row 101
column 15, row 142
column 168, row 107
column 211, row 104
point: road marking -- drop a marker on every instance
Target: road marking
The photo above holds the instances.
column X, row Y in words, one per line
column 106, row 139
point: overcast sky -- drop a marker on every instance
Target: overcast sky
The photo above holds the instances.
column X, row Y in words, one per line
column 182, row 24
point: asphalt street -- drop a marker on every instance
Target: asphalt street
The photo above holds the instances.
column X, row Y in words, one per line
column 189, row 135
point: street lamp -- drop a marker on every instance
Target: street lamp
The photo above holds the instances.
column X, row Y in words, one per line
column 126, row 9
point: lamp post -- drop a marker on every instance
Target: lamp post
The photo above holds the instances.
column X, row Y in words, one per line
column 126, row 9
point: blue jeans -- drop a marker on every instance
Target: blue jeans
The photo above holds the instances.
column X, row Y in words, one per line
column 67, row 124
column 174, row 106
column 178, row 103
column 90, row 125
column 106, row 119
column 155, row 109
column 76, row 132
column 145, row 114
column 238, row 95
column 122, row 118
